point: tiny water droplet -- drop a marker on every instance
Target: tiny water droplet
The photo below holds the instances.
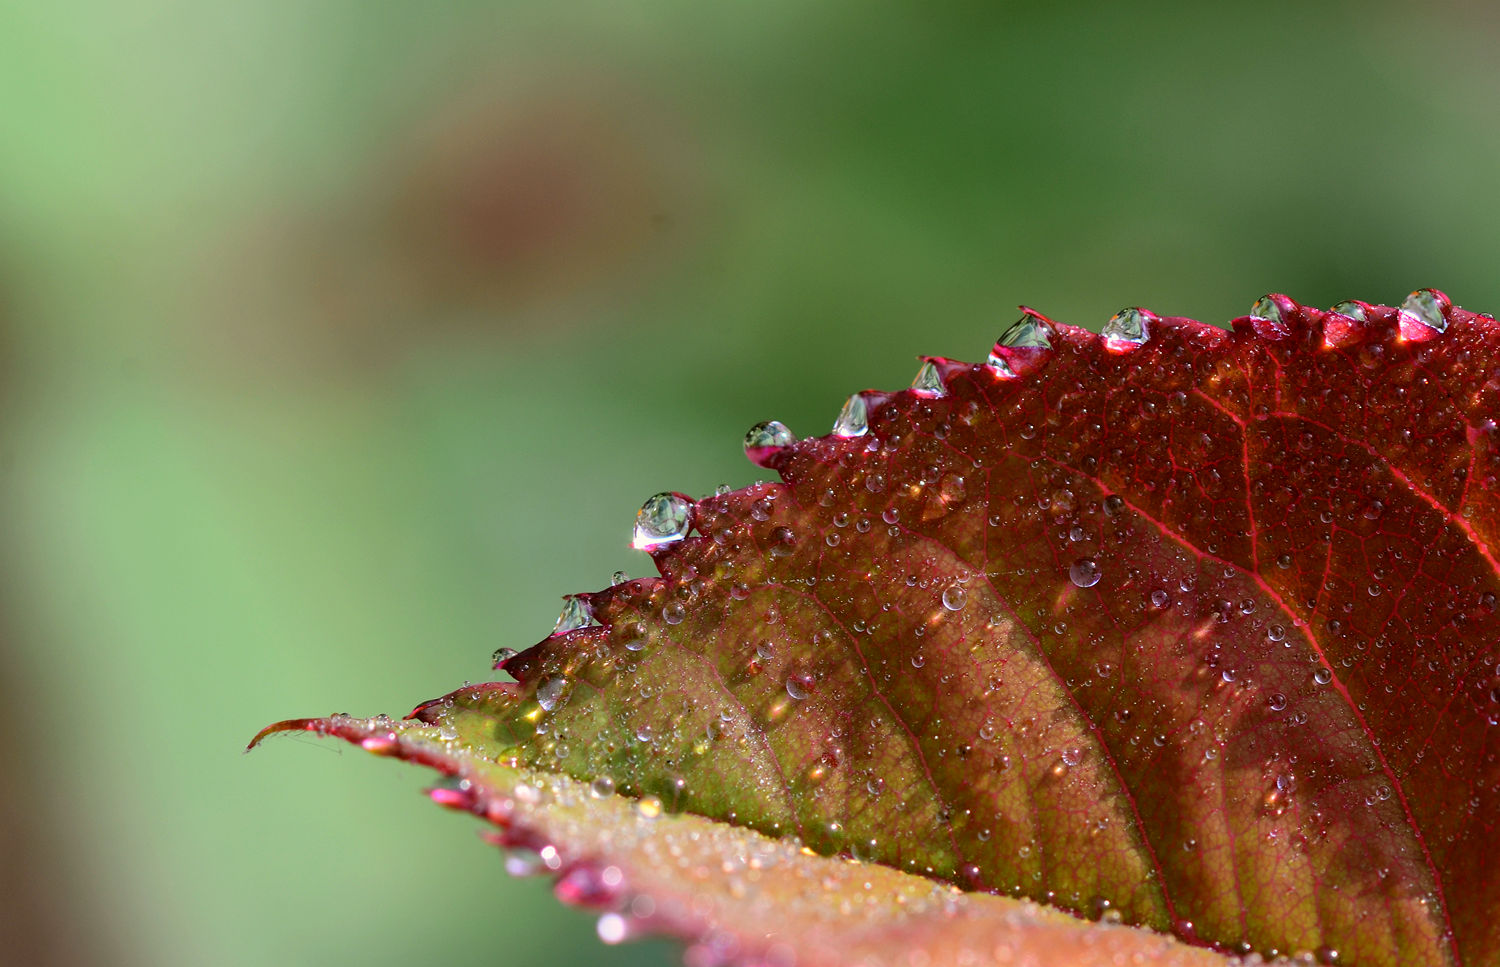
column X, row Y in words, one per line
column 929, row 382
column 618, row 578
column 1127, row 329
column 764, row 440
column 1085, row 572
column 854, row 419
column 954, row 598
column 501, row 655
column 1429, row 307
column 575, row 615
column 1160, row 598
column 663, row 519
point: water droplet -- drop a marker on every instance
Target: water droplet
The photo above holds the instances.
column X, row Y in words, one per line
column 1323, row 676
column 1084, row 573
column 764, row 440
column 854, row 419
column 575, row 615
column 1022, row 346
column 618, row 578
column 648, row 807
column 799, row 686
column 663, row 519
column 929, row 382
column 673, row 613
column 954, row 598
column 1113, row 505
column 1027, row 332
column 1277, row 701
column 1127, row 329
column 1266, row 308
column 502, row 655
column 1429, row 307
column 1160, row 598
column 550, row 692
column 1071, row 757
column 602, row 786
column 1350, row 310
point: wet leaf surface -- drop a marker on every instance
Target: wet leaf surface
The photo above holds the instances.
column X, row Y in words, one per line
column 1188, row 628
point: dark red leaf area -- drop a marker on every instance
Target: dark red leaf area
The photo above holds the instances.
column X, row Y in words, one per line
column 1203, row 633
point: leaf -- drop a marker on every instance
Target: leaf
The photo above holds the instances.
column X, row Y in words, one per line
column 1191, row 628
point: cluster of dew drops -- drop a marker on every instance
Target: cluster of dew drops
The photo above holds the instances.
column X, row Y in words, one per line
column 666, row 518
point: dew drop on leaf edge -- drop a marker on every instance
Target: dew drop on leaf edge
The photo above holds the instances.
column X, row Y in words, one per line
column 1428, row 307
column 854, row 419
column 663, row 519
column 928, row 381
column 1127, row 329
column 1266, row 308
column 575, row 615
column 765, row 439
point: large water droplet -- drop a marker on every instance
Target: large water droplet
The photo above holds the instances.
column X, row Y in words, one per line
column 1027, row 332
column 929, row 382
column 1127, row 329
column 1351, row 310
column 954, row 598
column 766, row 439
column 853, row 419
column 575, row 615
column 1085, row 572
column 1323, row 675
column 502, row 655
column 1022, row 347
column 1428, row 307
column 550, row 692
column 1267, row 308
column 663, row 519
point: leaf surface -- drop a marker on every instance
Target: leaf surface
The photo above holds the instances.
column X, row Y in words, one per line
column 1187, row 627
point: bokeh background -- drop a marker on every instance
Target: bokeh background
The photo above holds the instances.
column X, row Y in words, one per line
column 338, row 339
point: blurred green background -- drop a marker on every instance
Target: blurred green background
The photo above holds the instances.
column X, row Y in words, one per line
column 341, row 338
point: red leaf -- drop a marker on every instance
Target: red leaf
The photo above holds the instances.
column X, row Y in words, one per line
column 1193, row 626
